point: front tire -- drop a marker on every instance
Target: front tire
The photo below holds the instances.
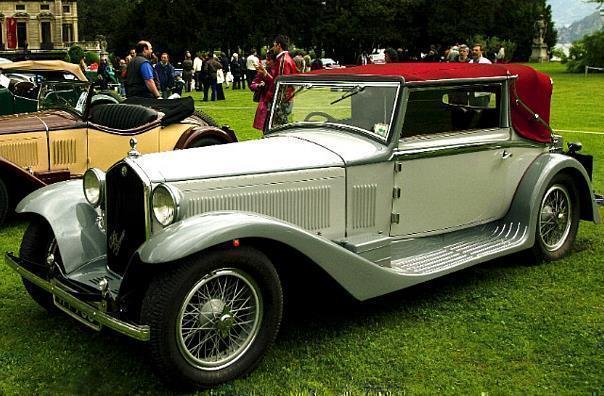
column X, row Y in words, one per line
column 213, row 317
column 37, row 244
column 558, row 220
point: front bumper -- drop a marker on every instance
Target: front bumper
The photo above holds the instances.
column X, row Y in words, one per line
column 84, row 312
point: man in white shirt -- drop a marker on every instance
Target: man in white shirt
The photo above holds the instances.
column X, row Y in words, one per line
column 251, row 62
column 197, row 65
column 477, row 55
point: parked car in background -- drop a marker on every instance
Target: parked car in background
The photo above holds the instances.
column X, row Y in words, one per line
column 329, row 63
column 379, row 176
column 76, row 129
column 378, row 56
column 21, row 83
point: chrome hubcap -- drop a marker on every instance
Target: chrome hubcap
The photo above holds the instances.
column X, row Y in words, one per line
column 219, row 319
column 555, row 218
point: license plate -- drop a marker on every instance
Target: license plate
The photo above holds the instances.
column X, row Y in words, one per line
column 82, row 317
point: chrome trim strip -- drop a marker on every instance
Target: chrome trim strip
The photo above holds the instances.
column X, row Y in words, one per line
column 138, row 332
column 429, row 152
column 449, row 81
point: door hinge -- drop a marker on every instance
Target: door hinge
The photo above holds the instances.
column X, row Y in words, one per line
column 396, row 192
column 395, row 218
column 398, row 166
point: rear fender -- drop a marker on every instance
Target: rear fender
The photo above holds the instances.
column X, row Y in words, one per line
column 360, row 277
column 72, row 219
column 526, row 202
column 199, row 132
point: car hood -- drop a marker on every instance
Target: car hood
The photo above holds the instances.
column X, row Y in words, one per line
column 39, row 121
column 276, row 154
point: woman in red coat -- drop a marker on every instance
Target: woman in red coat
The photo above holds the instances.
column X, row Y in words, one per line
column 264, row 82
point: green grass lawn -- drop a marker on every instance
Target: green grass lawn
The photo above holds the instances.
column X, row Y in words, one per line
column 504, row 327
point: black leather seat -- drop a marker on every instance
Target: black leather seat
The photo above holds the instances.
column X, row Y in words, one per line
column 122, row 116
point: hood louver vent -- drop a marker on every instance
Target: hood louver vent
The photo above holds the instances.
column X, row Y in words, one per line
column 21, row 153
column 306, row 207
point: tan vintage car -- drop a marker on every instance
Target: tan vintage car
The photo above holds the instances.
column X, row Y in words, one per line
column 70, row 134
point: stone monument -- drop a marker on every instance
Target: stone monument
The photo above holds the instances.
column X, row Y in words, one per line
column 539, row 53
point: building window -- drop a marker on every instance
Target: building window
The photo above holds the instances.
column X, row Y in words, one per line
column 45, row 7
column 22, row 35
column 20, row 7
column 45, row 30
column 67, row 33
column 66, row 9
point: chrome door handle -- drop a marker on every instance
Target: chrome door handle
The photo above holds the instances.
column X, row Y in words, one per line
column 506, row 154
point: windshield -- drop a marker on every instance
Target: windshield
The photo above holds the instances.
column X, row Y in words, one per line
column 69, row 96
column 366, row 107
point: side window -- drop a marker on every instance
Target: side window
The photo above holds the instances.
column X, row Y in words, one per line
column 448, row 109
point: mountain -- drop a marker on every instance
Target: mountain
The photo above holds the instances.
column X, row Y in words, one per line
column 565, row 12
column 590, row 24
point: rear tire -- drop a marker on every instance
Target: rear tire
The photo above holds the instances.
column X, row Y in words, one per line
column 4, row 202
column 38, row 242
column 205, row 141
column 213, row 316
column 206, row 118
column 558, row 220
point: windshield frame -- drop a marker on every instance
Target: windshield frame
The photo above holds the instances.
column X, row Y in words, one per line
column 89, row 89
column 361, row 80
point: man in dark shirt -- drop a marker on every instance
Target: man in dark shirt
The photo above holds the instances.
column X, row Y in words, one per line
column 139, row 74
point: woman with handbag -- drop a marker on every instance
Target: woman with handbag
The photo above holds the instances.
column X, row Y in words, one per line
column 263, row 86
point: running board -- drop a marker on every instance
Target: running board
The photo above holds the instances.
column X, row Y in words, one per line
column 445, row 253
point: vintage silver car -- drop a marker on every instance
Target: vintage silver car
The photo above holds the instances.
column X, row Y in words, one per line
column 380, row 176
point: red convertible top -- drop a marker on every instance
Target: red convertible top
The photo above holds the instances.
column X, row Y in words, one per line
column 532, row 88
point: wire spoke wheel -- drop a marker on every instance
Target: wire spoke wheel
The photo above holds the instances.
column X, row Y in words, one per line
column 219, row 319
column 555, row 217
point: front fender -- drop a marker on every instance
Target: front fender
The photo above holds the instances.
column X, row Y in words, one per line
column 526, row 202
column 360, row 277
column 72, row 219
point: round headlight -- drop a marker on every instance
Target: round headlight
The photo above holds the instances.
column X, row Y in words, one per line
column 94, row 186
column 165, row 204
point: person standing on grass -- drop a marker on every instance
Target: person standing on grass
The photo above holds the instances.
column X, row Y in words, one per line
column 187, row 71
column 251, row 63
column 263, row 82
column 165, row 73
column 139, row 73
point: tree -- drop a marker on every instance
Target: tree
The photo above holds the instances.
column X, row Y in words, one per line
column 342, row 28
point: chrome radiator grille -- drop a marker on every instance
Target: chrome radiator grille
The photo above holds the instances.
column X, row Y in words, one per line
column 125, row 215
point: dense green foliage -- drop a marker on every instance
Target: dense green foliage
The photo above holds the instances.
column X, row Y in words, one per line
column 588, row 51
column 75, row 54
column 503, row 327
column 342, row 28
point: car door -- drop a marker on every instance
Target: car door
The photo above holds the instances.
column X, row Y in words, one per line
column 450, row 164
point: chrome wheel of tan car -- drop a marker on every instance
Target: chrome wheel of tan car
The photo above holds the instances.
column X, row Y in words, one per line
column 219, row 319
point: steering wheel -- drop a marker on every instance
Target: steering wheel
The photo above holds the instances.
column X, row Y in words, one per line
column 319, row 114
